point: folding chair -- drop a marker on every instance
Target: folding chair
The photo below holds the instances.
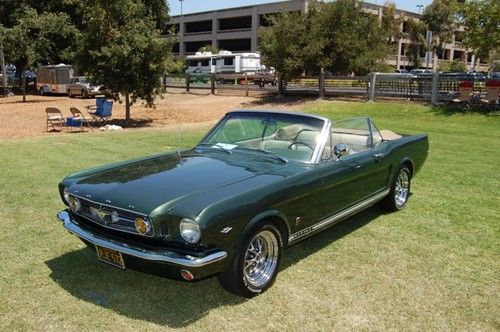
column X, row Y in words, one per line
column 78, row 119
column 490, row 101
column 54, row 118
column 102, row 114
column 465, row 94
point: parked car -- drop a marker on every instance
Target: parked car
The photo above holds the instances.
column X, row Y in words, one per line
column 80, row 86
column 256, row 183
column 420, row 71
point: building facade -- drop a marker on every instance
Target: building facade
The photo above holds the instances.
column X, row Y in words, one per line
column 236, row 29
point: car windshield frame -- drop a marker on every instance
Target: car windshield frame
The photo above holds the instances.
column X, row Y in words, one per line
column 323, row 125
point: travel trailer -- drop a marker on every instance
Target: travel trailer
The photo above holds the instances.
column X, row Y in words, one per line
column 205, row 63
column 53, row 78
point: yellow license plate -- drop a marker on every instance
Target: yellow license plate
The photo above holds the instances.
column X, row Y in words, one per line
column 110, row 256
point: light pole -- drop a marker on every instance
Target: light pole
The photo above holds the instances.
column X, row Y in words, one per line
column 181, row 5
column 420, row 8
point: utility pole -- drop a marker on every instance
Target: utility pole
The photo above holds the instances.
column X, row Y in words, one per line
column 181, row 5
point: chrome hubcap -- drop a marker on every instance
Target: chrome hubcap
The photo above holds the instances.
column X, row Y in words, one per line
column 402, row 188
column 261, row 259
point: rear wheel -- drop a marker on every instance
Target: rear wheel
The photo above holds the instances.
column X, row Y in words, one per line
column 255, row 267
column 400, row 191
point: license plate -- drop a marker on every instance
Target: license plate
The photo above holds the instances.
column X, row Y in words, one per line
column 110, row 256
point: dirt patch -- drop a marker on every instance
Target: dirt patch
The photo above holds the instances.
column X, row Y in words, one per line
column 18, row 119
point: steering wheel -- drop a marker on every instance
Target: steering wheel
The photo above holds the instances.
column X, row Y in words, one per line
column 300, row 143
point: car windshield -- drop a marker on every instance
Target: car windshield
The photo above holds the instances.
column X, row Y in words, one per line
column 282, row 136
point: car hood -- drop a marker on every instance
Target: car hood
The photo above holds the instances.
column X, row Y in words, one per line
column 145, row 184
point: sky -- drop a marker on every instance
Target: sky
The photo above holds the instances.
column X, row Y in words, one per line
column 193, row 6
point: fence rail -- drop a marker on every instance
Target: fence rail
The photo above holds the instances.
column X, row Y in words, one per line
column 432, row 87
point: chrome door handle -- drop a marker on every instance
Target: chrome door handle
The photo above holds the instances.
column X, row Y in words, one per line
column 378, row 156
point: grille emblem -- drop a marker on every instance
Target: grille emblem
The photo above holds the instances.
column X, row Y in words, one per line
column 105, row 217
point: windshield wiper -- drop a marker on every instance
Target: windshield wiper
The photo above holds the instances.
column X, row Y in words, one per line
column 269, row 153
column 218, row 147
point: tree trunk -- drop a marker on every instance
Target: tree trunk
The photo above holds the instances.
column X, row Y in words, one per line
column 4, row 71
column 23, row 83
column 127, row 109
column 280, row 85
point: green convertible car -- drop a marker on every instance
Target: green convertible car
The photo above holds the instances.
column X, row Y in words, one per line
column 258, row 182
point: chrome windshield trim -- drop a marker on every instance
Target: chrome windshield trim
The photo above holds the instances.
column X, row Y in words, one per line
column 321, row 143
column 162, row 256
column 330, row 221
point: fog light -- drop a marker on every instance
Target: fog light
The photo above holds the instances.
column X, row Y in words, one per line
column 74, row 203
column 187, row 275
column 142, row 226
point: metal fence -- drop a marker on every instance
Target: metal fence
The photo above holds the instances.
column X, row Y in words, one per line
column 431, row 87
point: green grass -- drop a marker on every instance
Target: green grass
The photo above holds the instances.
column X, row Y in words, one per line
column 432, row 266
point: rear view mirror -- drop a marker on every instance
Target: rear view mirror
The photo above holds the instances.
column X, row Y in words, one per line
column 340, row 150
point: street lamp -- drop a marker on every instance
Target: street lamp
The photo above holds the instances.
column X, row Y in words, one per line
column 420, row 8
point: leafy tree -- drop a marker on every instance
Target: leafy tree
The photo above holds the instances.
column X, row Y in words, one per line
column 416, row 34
column 37, row 38
column 352, row 40
column 209, row 48
column 282, row 44
column 481, row 20
column 441, row 17
column 455, row 66
column 121, row 49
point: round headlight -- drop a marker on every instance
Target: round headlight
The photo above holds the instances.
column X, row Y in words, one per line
column 74, row 203
column 142, row 226
column 66, row 195
column 190, row 230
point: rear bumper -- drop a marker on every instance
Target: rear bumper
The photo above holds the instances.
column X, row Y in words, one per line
column 160, row 262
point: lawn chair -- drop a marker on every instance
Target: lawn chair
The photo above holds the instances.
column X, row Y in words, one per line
column 99, row 101
column 54, row 118
column 78, row 120
column 490, row 101
column 102, row 113
column 465, row 93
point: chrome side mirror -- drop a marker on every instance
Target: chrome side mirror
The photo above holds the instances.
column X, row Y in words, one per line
column 340, row 150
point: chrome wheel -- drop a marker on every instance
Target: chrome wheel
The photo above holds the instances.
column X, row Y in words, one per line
column 402, row 188
column 261, row 259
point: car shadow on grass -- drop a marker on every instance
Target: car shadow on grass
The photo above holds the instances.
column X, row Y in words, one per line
column 168, row 302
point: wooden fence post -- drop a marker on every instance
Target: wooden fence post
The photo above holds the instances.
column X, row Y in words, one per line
column 322, row 84
column 188, row 82
column 246, row 84
column 435, row 89
column 212, row 83
column 373, row 81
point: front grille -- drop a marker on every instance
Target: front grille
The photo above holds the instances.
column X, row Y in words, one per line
column 101, row 214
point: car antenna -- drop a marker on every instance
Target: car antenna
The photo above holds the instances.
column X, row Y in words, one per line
column 178, row 149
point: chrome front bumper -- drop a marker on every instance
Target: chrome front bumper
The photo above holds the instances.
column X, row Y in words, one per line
column 158, row 256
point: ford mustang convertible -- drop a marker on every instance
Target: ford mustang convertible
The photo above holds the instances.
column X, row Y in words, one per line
column 258, row 182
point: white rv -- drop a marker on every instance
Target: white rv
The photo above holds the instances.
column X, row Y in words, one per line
column 202, row 63
column 54, row 78
column 224, row 62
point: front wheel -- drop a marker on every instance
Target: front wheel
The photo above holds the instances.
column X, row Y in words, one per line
column 255, row 267
column 400, row 191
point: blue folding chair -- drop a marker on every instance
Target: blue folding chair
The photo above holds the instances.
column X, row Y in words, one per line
column 102, row 113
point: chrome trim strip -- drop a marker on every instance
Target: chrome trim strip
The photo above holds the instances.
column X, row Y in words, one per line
column 162, row 256
column 116, row 228
column 339, row 216
column 109, row 206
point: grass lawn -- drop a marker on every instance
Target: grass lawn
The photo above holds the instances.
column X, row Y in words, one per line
column 433, row 266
